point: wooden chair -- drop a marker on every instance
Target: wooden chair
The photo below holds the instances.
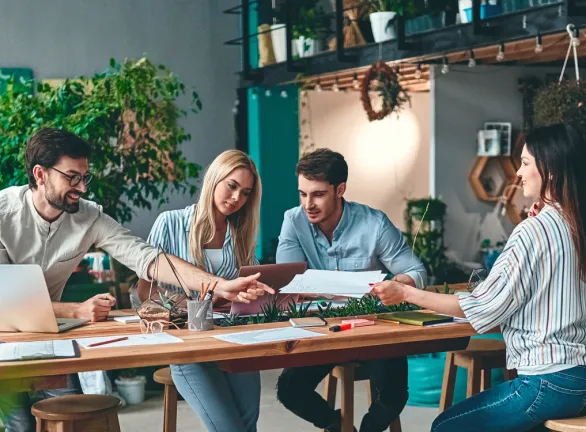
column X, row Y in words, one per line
column 348, row 374
column 481, row 356
column 90, row 413
column 163, row 376
column 577, row 424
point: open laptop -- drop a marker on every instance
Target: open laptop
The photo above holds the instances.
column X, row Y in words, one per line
column 25, row 305
column 274, row 275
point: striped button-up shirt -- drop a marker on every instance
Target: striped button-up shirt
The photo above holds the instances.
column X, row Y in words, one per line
column 535, row 293
column 171, row 233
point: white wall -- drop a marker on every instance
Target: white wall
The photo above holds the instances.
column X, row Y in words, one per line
column 463, row 100
column 67, row 38
column 388, row 160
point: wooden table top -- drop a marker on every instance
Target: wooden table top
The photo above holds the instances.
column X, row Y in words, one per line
column 381, row 340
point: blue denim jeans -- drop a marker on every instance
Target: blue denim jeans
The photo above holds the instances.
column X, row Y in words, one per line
column 522, row 404
column 222, row 400
column 15, row 408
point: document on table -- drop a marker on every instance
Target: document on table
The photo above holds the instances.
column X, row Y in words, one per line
column 457, row 320
column 37, row 350
column 267, row 336
column 352, row 284
column 133, row 340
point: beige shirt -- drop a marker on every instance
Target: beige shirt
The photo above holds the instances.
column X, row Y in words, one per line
column 58, row 247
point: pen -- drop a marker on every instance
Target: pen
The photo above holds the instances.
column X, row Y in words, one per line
column 107, row 342
column 341, row 327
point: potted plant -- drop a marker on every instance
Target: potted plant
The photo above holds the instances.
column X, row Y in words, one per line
column 309, row 20
column 558, row 103
column 131, row 386
column 279, row 33
column 382, row 16
column 488, row 8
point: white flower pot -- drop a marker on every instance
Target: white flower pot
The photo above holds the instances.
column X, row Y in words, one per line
column 462, row 5
column 307, row 47
column 381, row 29
column 131, row 389
column 279, row 37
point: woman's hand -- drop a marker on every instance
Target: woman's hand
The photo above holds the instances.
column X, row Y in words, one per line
column 389, row 292
column 243, row 289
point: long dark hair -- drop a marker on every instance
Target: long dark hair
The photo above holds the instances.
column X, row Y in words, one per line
column 560, row 155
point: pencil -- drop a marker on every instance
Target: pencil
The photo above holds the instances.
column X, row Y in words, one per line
column 107, row 342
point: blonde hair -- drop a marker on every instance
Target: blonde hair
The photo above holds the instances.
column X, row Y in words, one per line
column 243, row 224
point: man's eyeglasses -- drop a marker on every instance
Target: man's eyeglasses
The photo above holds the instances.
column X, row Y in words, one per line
column 75, row 179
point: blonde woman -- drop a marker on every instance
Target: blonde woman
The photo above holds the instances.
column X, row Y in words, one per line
column 217, row 234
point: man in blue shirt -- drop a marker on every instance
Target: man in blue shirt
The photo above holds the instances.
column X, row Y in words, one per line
column 330, row 233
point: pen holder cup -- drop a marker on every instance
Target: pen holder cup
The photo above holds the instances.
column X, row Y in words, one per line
column 200, row 315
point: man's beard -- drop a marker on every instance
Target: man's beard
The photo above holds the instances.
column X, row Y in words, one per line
column 60, row 203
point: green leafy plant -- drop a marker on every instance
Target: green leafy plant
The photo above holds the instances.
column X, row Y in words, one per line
column 231, row 320
column 130, row 116
column 401, row 7
column 298, row 311
column 128, row 373
column 307, row 18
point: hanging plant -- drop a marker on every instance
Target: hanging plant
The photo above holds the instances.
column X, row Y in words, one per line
column 389, row 88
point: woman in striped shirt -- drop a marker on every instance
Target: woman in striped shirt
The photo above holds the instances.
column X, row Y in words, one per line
column 536, row 293
column 217, row 234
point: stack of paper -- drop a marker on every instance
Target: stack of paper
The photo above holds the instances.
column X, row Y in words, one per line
column 131, row 340
column 37, row 350
column 268, row 336
column 338, row 283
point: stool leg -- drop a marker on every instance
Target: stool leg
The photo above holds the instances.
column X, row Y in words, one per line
column 448, row 384
column 113, row 423
column 486, row 380
column 170, row 416
column 40, row 425
column 330, row 390
column 473, row 379
column 396, row 426
column 64, row 426
column 348, row 400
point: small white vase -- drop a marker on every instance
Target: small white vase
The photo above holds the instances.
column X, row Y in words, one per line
column 307, row 47
column 279, row 37
column 381, row 29
column 131, row 389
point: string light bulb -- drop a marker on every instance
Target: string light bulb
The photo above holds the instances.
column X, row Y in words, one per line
column 268, row 93
column 355, row 82
column 538, row 44
column 445, row 66
column 335, row 86
column 254, row 94
column 501, row 54
column 472, row 59
column 418, row 72
column 284, row 94
column 318, row 86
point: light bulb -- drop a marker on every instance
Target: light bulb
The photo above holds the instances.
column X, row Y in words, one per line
column 335, row 86
column 284, row 94
column 318, row 86
column 418, row 72
column 355, row 82
column 538, row 45
column 501, row 54
column 472, row 60
column 445, row 66
column 268, row 93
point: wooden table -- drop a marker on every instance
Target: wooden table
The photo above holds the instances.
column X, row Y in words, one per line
column 365, row 343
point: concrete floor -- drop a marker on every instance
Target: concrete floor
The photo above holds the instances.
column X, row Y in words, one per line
column 148, row 417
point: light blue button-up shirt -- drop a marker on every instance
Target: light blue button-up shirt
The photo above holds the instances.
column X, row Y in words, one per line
column 365, row 239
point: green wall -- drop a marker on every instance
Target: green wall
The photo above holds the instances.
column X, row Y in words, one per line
column 273, row 144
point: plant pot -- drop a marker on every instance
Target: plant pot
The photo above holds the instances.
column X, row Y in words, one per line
column 462, row 6
column 131, row 389
column 279, row 37
column 486, row 11
column 307, row 47
column 383, row 28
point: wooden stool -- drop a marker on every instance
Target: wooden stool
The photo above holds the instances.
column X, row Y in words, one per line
column 95, row 413
column 347, row 374
column 163, row 376
column 481, row 356
column 577, row 424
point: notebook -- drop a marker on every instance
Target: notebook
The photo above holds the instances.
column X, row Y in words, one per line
column 14, row 351
column 415, row 318
column 307, row 322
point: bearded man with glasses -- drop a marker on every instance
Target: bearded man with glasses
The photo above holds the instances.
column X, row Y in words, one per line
column 49, row 224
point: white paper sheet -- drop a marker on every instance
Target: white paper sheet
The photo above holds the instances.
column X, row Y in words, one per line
column 352, row 284
column 266, row 336
column 133, row 340
column 127, row 319
column 36, row 350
